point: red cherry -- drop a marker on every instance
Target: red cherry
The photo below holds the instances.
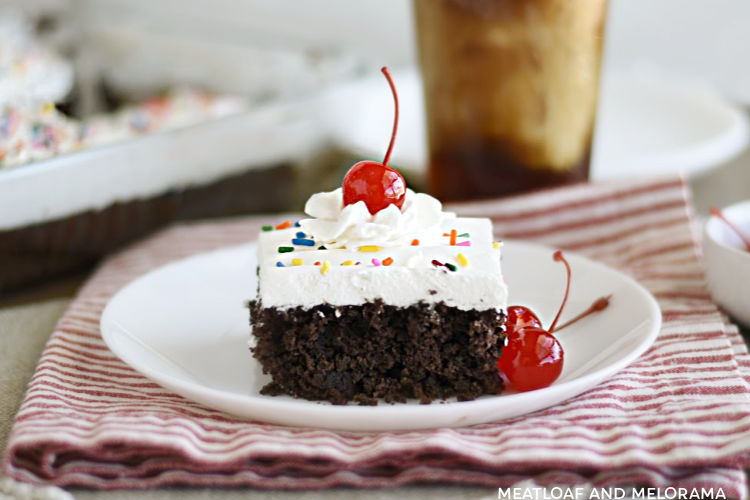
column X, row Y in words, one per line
column 377, row 184
column 521, row 317
column 533, row 359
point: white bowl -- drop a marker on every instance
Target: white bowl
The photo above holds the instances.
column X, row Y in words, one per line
column 728, row 262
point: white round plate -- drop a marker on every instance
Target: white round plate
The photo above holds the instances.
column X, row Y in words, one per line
column 646, row 124
column 185, row 326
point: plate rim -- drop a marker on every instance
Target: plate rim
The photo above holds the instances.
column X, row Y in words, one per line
column 274, row 410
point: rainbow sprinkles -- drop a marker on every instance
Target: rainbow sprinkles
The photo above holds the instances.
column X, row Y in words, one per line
column 298, row 243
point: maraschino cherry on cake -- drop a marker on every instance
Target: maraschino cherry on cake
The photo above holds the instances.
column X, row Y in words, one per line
column 379, row 295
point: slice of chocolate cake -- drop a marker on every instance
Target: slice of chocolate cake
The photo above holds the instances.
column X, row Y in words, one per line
column 380, row 295
column 405, row 304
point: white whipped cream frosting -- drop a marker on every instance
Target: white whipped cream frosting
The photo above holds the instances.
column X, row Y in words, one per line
column 346, row 256
column 352, row 226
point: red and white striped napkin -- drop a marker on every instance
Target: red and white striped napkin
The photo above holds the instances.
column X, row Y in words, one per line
column 679, row 416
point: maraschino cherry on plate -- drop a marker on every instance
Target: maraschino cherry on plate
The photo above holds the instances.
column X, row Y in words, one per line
column 533, row 357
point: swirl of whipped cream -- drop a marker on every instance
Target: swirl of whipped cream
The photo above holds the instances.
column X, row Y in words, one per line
column 352, row 226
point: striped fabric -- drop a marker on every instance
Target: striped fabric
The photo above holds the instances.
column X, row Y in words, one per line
column 679, row 416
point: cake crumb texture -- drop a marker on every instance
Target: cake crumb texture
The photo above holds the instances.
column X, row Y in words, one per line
column 371, row 352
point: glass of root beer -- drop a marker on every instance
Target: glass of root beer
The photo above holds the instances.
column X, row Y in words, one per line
column 510, row 90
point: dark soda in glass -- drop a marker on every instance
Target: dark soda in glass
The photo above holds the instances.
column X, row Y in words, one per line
column 511, row 90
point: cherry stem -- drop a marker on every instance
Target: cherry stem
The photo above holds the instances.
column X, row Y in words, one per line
column 598, row 305
column 717, row 213
column 384, row 69
column 558, row 256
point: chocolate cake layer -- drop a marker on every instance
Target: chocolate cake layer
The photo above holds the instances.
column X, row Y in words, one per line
column 376, row 351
